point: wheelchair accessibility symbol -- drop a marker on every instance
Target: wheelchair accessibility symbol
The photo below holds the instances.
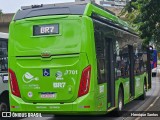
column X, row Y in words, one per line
column 46, row 72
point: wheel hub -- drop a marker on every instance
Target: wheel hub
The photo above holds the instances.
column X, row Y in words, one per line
column 120, row 105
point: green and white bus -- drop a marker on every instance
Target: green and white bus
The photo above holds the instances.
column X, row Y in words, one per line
column 4, row 93
column 75, row 57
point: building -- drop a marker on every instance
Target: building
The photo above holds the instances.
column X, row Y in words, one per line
column 109, row 3
column 114, row 3
column 4, row 22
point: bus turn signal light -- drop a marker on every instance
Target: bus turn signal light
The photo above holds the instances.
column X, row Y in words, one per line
column 85, row 81
column 14, row 84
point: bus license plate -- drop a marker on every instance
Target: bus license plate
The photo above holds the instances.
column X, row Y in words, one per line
column 47, row 95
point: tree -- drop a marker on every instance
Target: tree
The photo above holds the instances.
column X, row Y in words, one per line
column 145, row 15
column 0, row 11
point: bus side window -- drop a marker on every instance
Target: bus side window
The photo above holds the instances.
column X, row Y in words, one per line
column 139, row 65
column 117, row 59
column 122, row 63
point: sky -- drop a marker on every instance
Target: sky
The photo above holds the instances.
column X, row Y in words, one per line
column 11, row 6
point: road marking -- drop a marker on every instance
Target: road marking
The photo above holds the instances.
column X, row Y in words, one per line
column 152, row 103
column 149, row 106
column 154, row 93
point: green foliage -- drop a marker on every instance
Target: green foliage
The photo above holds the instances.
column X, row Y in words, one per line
column 1, row 12
column 145, row 14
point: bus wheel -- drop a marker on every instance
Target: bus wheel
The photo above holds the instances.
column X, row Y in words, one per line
column 3, row 107
column 143, row 96
column 120, row 101
column 153, row 74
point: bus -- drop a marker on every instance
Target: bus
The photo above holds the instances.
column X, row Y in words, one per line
column 4, row 93
column 154, row 62
column 74, row 58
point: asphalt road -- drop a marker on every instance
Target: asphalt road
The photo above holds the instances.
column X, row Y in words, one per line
column 151, row 103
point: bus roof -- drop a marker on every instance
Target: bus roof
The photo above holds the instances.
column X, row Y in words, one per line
column 87, row 8
column 51, row 9
column 4, row 35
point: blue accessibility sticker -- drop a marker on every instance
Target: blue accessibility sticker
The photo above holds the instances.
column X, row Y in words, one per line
column 46, row 72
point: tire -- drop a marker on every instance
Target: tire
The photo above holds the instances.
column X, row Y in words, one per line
column 154, row 74
column 4, row 105
column 143, row 96
column 118, row 111
column 120, row 101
